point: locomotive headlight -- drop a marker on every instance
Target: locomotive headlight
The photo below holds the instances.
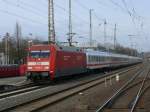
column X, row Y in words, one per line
column 29, row 68
column 47, row 67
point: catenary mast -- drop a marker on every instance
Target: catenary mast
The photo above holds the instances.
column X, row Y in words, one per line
column 51, row 26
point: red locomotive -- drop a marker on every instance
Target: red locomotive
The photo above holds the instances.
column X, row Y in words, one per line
column 53, row 61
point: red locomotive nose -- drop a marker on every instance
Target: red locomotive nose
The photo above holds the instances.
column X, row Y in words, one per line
column 39, row 61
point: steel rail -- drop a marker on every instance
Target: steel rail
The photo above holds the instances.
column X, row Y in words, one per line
column 121, row 71
column 139, row 93
column 16, row 87
column 67, row 92
column 125, row 90
column 118, row 92
column 23, row 90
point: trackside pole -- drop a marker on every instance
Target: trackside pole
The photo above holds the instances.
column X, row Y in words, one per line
column 105, row 82
column 110, row 80
column 117, row 77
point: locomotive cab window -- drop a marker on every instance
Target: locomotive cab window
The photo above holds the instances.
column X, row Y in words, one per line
column 44, row 54
column 40, row 54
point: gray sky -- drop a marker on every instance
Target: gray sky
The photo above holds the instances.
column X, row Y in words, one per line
column 131, row 16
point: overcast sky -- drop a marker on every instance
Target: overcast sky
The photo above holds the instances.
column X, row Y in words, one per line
column 131, row 16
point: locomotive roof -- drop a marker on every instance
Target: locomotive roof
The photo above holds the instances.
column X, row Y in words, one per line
column 39, row 47
column 58, row 47
column 70, row 48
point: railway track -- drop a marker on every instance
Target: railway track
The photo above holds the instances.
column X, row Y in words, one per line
column 127, row 97
column 13, row 87
column 20, row 91
column 143, row 88
column 141, row 104
column 23, row 85
column 40, row 103
column 20, row 88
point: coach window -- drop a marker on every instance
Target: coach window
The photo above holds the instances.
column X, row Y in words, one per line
column 96, row 59
column 93, row 59
column 114, row 58
column 100, row 58
column 89, row 59
column 104, row 59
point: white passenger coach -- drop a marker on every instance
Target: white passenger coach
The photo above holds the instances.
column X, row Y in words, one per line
column 99, row 59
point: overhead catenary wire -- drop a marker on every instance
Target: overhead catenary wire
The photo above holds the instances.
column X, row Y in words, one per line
column 29, row 10
column 94, row 13
column 31, row 6
column 22, row 17
column 131, row 14
column 35, row 10
column 25, row 8
column 81, row 5
column 118, row 5
column 126, row 10
column 67, row 12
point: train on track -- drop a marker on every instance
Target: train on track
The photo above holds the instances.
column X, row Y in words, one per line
column 12, row 70
column 54, row 61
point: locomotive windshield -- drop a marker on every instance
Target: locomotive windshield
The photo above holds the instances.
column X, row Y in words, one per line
column 39, row 54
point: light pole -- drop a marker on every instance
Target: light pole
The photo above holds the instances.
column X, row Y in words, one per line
column 0, row 44
column 105, row 36
column 115, row 36
column 131, row 36
column 91, row 29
